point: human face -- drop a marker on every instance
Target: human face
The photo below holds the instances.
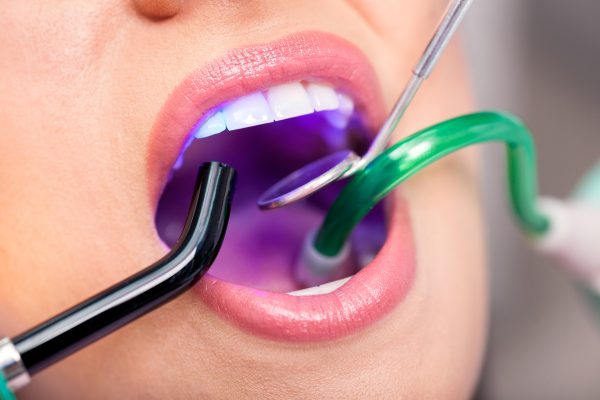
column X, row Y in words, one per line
column 96, row 101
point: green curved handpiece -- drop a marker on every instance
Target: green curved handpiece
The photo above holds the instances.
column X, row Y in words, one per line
column 405, row 158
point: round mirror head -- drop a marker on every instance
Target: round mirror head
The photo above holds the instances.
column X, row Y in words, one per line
column 308, row 179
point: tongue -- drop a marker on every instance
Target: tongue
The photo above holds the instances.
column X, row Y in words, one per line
column 260, row 249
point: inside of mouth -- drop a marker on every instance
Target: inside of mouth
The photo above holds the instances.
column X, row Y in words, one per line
column 261, row 248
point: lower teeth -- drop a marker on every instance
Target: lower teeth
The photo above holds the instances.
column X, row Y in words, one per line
column 321, row 289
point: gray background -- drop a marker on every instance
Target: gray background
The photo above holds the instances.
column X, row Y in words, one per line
column 539, row 59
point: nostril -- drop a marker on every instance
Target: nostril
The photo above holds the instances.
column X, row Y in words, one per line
column 158, row 9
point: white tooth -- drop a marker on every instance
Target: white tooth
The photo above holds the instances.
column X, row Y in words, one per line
column 211, row 126
column 337, row 119
column 346, row 104
column 289, row 100
column 187, row 144
column 179, row 162
column 321, row 289
column 323, row 97
column 247, row 111
column 340, row 118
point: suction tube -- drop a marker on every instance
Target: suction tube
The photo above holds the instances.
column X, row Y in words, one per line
column 417, row 151
column 568, row 231
column 190, row 258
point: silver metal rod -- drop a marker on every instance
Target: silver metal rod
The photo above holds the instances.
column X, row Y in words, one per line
column 444, row 32
column 438, row 43
column 318, row 174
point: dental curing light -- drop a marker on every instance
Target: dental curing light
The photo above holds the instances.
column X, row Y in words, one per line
column 195, row 251
column 568, row 230
column 320, row 173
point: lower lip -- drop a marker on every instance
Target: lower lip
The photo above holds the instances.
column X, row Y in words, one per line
column 363, row 300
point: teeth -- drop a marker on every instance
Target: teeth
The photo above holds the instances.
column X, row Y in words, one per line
column 179, row 162
column 213, row 125
column 346, row 105
column 289, row 100
column 250, row 110
column 322, row 97
column 340, row 118
column 321, row 289
column 337, row 120
column 279, row 102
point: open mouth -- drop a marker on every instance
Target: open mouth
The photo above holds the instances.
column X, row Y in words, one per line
column 267, row 111
column 266, row 135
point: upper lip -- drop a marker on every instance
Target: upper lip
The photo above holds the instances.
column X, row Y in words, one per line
column 302, row 56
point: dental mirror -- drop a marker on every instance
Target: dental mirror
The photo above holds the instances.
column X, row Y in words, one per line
column 320, row 173
column 300, row 183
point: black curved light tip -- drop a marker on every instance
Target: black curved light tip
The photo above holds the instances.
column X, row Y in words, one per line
column 139, row 294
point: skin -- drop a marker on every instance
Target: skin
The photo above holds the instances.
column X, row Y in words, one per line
column 80, row 87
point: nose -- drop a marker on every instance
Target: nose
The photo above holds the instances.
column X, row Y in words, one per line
column 158, row 9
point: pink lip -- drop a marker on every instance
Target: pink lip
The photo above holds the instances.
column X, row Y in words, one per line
column 242, row 71
column 364, row 299
column 373, row 291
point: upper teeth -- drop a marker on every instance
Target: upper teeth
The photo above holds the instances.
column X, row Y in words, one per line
column 276, row 103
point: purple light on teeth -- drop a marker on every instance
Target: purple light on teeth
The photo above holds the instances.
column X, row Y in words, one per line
column 260, row 247
column 261, row 154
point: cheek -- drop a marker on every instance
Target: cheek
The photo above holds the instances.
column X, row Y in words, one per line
column 51, row 45
column 62, row 156
column 53, row 57
column 402, row 22
column 451, row 276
